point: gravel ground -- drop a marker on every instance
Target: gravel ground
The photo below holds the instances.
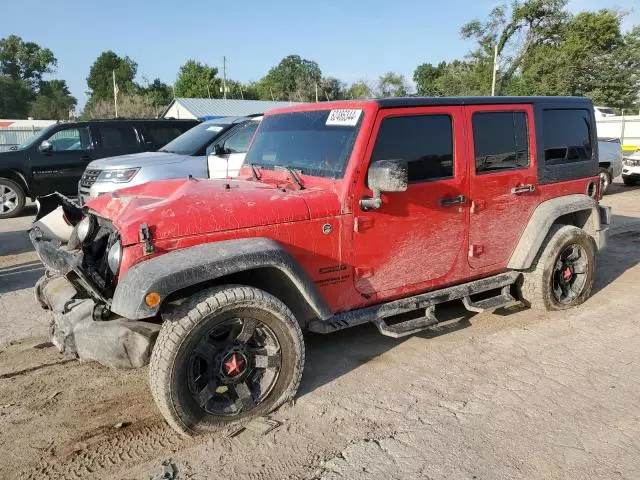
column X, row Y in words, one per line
column 507, row 395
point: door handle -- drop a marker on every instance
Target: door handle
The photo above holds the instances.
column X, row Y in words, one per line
column 523, row 189
column 446, row 202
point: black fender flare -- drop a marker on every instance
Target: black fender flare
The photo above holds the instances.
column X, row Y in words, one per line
column 191, row 266
column 544, row 216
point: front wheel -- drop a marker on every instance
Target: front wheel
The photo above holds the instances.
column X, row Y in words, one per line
column 562, row 274
column 12, row 198
column 605, row 181
column 236, row 354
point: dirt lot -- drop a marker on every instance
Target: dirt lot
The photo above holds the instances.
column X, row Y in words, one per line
column 505, row 395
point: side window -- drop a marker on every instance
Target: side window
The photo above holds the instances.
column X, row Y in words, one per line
column 161, row 134
column 71, row 139
column 424, row 141
column 239, row 140
column 500, row 140
column 567, row 136
column 117, row 136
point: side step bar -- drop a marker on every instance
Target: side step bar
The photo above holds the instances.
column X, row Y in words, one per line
column 427, row 301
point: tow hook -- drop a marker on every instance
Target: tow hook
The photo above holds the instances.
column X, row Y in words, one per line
column 101, row 313
column 145, row 237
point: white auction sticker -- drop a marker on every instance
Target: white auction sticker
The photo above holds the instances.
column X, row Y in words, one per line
column 214, row 128
column 345, row 117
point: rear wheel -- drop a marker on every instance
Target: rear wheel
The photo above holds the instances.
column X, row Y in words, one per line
column 562, row 274
column 629, row 182
column 605, row 180
column 237, row 353
column 12, row 198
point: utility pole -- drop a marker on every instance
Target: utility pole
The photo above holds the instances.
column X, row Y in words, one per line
column 115, row 92
column 224, row 77
column 316, row 92
column 495, row 71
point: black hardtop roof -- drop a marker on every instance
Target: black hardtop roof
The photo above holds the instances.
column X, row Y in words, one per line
column 398, row 102
column 128, row 120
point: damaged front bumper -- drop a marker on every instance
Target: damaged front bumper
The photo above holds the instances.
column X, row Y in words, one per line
column 76, row 327
column 81, row 323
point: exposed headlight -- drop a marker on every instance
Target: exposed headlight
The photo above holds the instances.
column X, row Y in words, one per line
column 631, row 162
column 117, row 176
column 87, row 228
column 114, row 257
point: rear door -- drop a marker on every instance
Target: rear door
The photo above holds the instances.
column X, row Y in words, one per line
column 504, row 188
column 117, row 138
column 158, row 134
column 61, row 168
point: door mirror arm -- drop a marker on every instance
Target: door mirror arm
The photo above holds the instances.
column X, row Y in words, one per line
column 385, row 176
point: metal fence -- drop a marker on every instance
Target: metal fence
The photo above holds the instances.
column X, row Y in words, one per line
column 14, row 136
column 627, row 129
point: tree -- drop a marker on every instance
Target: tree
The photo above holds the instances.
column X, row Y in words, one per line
column 392, row 85
column 198, row 80
column 159, row 93
column 100, row 79
column 360, row 89
column 426, row 75
column 129, row 106
column 53, row 102
column 25, row 61
column 293, row 79
column 331, row 88
column 14, row 97
column 514, row 33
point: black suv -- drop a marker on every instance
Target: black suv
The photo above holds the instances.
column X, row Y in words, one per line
column 55, row 158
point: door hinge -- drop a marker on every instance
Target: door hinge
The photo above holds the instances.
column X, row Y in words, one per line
column 476, row 250
column 362, row 223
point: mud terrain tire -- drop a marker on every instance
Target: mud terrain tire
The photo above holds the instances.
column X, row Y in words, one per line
column 537, row 285
column 171, row 376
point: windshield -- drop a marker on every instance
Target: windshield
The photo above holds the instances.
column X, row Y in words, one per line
column 34, row 138
column 195, row 140
column 317, row 143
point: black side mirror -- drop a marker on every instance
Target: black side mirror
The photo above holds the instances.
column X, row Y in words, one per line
column 218, row 149
column 46, row 147
column 385, row 176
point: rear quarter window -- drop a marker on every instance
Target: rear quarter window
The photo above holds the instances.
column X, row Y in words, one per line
column 567, row 136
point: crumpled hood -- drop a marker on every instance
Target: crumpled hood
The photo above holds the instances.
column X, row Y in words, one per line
column 184, row 207
column 132, row 160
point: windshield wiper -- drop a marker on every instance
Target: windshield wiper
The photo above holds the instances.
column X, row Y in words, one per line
column 294, row 175
column 254, row 171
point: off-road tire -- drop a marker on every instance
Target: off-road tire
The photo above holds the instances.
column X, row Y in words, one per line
column 535, row 288
column 21, row 198
column 605, row 181
column 168, row 365
column 629, row 182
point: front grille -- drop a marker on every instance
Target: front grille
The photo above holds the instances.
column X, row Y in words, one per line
column 89, row 178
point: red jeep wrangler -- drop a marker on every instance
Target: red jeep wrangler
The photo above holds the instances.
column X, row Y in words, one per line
column 344, row 213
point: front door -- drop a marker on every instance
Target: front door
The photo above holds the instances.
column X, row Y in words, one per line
column 60, row 168
column 233, row 148
column 417, row 238
column 504, row 188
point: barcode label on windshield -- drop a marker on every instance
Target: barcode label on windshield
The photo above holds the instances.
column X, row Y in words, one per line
column 344, row 117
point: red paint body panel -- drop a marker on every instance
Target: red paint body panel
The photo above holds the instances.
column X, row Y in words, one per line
column 410, row 245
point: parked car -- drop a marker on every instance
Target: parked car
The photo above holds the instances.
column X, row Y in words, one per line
column 610, row 155
column 631, row 169
column 344, row 213
column 55, row 158
column 604, row 112
column 214, row 148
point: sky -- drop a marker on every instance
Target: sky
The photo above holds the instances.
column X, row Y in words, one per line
column 350, row 39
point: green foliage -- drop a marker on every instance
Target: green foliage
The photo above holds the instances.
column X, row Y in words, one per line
column 331, row 88
column 360, row 89
column 392, row 85
column 15, row 96
column 426, row 78
column 293, row 79
column 129, row 106
column 53, row 102
column 100, row 79
column 25, row 61
column 159, row 93
column 198, row 80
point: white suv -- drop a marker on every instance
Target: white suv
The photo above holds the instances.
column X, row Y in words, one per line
column 631, row 169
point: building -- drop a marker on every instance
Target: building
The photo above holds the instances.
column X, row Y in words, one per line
column 16, row 132
column 198, row 108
